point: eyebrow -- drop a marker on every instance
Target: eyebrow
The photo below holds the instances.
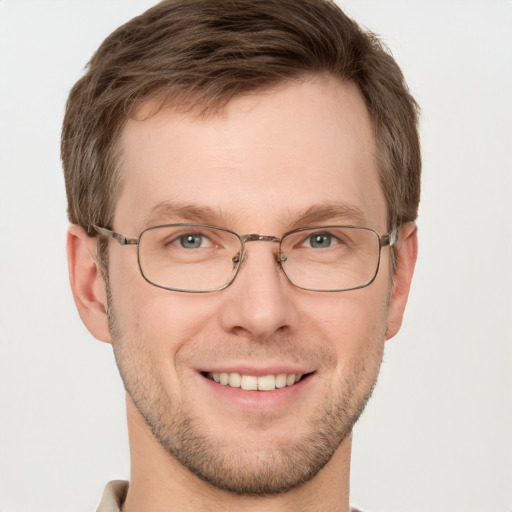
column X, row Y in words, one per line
column 186, row 212
column 327, row 212
column 171, row 211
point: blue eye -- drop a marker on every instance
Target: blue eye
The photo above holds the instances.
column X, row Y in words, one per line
column 320, row 240
column 190, row 241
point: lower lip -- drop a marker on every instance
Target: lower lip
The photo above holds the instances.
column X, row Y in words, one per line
column 259, row 400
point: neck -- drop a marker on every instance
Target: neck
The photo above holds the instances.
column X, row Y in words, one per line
column 159, row 483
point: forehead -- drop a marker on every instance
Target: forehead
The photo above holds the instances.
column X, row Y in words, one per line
column 262, row 160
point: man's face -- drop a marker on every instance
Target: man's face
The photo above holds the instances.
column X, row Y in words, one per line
column 303, row 150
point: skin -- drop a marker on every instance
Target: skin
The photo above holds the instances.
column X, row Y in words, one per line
column 255, row 168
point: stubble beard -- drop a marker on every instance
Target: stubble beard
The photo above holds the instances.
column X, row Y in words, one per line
column 242, row 470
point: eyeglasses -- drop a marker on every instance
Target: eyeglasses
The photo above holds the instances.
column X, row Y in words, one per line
column 200, row 258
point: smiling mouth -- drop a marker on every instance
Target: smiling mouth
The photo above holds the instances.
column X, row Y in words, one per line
column 253, row 383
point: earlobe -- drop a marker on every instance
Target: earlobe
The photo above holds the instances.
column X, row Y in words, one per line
column 87, row 283
column 406, row 253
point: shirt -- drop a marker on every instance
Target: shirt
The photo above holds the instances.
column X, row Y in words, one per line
column 115, row 494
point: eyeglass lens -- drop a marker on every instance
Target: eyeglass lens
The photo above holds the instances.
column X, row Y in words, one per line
column 199, row 258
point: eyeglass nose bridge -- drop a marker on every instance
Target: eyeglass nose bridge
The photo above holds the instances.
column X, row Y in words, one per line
column 256, row 237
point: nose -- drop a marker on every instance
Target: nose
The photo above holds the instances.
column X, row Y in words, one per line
column 261, row 300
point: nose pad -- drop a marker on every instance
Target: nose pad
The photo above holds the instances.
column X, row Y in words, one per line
column 280, row 258
column 239, row 258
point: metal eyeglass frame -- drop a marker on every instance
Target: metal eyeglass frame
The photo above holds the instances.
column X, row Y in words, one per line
column 384, row 241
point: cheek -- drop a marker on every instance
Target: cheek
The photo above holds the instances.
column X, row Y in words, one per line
column 353, row 322
column 152, row 331
column 161, row 320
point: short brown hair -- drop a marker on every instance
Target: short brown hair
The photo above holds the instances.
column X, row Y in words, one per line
column 202, row 53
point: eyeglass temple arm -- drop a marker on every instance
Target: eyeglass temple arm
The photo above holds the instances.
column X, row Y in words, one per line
column 116, row 236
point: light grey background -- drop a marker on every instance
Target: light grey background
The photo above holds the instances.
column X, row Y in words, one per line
column 437, row 435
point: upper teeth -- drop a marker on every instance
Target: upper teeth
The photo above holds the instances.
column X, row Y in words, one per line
column 250, row 382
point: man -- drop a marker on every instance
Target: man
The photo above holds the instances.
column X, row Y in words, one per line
column 243, row 180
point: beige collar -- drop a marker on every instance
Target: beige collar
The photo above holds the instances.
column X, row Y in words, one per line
column 115, row 494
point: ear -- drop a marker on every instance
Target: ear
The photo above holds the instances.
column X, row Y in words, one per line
column 406, row 252
column 87, row 283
